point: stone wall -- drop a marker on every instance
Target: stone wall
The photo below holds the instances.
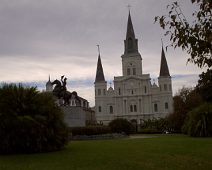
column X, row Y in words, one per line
column 74, row 116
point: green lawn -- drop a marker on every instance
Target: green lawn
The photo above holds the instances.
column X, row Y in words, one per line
column 164, row 152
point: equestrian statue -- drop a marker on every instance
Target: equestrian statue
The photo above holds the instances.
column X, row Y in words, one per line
column 60, row 91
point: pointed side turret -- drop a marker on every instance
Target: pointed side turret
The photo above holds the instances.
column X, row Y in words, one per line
column 131, row 44
column 164, row 70
column 99, row 71
column 165, row 87
column 49, row 86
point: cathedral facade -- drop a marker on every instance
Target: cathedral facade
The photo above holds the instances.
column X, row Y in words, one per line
column 134, row 97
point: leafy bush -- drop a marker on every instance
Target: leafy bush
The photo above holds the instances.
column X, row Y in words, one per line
column 30, row 121
column 122, row 125
column 93, row 123
column 198, row 122
column 149, row 131
column 158, row 124
column 89, row 130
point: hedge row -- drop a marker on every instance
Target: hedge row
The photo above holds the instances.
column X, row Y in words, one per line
column 89, row 130
column 149, row 131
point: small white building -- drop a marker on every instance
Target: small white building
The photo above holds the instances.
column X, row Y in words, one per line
column 133, row 96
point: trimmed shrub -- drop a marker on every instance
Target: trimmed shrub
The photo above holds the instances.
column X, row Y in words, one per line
column 149, row 131
column 90, row 130
column 30, row 121
column 198, row 122
column 159, row 124
column 122, row 125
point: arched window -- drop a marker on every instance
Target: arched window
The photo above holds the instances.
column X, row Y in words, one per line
column 160, row 88
column 131, row 108
column 165, row 87
column 119, row 91
column 155, row 107
column 128, row 71
column 135, row 108
column 100, row 108
column 166, row 106
column 104, row 91
column 99, row 91
column 145, row 89
column 111, row 109
column 130, row 45
column 170, row 88
column 132, row 91
column 134, row 71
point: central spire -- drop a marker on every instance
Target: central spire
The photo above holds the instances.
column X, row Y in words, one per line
column 131, row 44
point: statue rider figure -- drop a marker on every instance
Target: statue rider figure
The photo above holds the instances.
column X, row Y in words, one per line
column 64, row 83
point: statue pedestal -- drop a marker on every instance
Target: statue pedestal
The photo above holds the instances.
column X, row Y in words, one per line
column 74, row 116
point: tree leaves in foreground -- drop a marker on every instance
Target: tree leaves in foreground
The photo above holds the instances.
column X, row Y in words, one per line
column 198, row 122
column 204, row 85
column 30, row 121
column 184, row 101
column 195, row 37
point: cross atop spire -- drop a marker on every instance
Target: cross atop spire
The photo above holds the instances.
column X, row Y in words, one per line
column 98, row 49
column 129, row 7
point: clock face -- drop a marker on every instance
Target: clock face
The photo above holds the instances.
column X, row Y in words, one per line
column 132, row 83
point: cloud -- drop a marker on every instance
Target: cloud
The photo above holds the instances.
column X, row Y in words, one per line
column 42, row 38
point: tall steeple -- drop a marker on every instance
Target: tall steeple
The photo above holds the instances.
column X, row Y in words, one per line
column 164, row 70
column 131, row 44
column 99, row 71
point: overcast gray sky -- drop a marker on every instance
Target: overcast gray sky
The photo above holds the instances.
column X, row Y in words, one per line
column 59, row 37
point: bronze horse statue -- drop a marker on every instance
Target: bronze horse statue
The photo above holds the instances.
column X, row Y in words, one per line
column 59, row 91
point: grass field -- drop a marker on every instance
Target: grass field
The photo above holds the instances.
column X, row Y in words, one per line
column 163, row 152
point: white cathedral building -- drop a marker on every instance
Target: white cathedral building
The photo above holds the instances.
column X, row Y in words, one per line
column 133, row 97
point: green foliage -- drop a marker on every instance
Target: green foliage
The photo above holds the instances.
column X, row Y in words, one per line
column 204, row 85
column 148, row 131
column 158, row 124
column 93, row 123
column 30, row 121
column 194, row 37
column 89, row 130
column 184, row 101
column 122, row 125
column 198, row 122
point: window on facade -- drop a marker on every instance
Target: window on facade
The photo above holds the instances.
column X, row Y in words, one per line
column 73, row 103
column 160, row 88
column 165, row 87
column 99, row 91
column 135, row 108
column 155, row 107
column 145, row 89
column 111, row 109
column 134, row 71
column 104, row 91
column 170, row 88
column 166, row 106
column 100, row 108
column 132, row 91
column 128, row 71
column 130, row 43
column 131, row 108
column 119, row 91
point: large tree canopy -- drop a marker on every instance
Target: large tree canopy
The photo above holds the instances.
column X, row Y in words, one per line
column 193, row 37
